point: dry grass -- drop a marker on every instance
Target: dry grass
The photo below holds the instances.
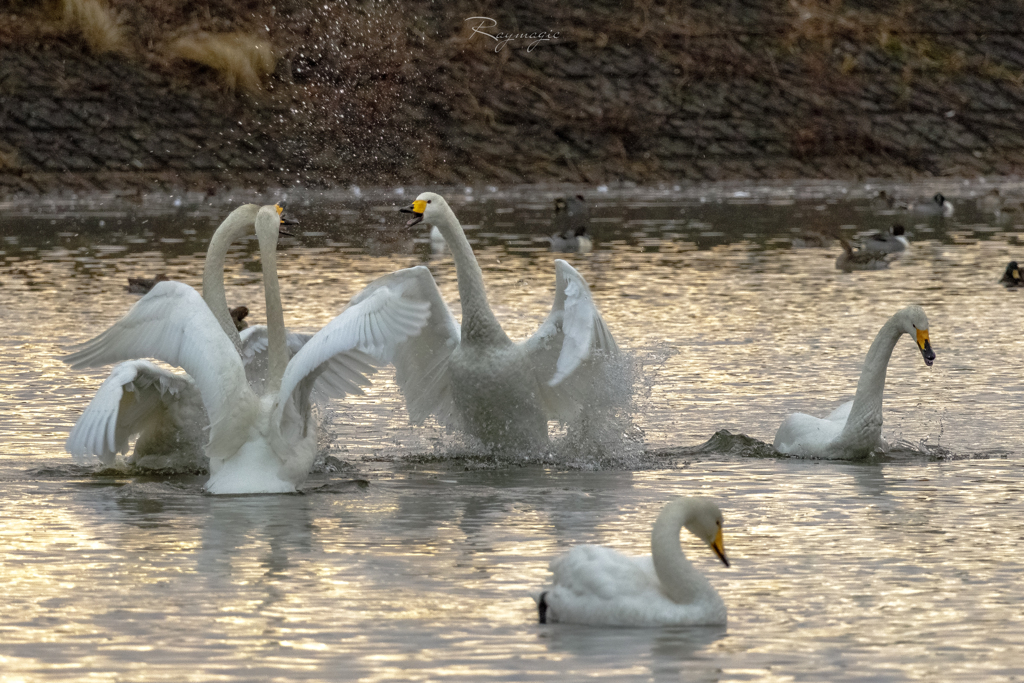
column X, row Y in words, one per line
column 96, row 23
column 242, row 60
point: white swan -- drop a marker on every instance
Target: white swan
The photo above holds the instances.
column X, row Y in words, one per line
column 854, row 429
column 161, row 406
column 473, row 376
column 257, row 443
column 599, row 586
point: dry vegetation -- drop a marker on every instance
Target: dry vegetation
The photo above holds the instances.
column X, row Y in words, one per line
column 242, row 60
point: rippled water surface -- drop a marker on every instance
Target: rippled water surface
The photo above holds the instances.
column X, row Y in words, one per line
column 413, row 560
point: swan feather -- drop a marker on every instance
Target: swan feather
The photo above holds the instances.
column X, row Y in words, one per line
column 173, row 324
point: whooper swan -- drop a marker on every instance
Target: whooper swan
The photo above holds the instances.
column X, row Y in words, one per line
column 257, row 443
column 598, row 586
column 473, row 376
column 854, row 429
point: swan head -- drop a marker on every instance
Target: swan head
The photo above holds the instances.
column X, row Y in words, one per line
column 704, row 520
column 270, row 222
column 939, row 198
column 430, row 207
column 916, row 325
column 897, row 230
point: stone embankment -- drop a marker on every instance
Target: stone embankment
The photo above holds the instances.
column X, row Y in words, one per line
column 737, row 89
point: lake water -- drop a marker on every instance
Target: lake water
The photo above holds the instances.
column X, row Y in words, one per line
column 416, row 560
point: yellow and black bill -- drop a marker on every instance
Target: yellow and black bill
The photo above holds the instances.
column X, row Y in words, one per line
column 416, row 209
column 925, row 346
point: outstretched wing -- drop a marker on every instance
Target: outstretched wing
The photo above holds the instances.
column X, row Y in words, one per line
column 421, row 362
column 370, row 328
column 173, row 324
column 339, row 375
column 133, row 398
column 572, row 345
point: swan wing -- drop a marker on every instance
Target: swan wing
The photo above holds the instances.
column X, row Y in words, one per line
column 421, row 361
column 370, row 328
column 173, row 324
column 569, row 350
column 132, row 398
column 841, row 413
column 340, row 375
column 602, row 573
column 806, row 435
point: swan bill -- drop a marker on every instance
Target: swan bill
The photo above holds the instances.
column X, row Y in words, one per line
column 285, row 220
column 417, row 209
column 925, row 346
column 718, row 546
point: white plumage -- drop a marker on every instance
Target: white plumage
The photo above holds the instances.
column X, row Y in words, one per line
column 258, row 443
column 854, row 429
column 473, row 376
column 599, row 586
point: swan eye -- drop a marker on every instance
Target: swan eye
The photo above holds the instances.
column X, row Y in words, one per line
column 428, row 201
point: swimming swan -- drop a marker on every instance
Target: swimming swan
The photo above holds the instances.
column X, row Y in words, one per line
column 473, row 376
column 854, row 429
column 601, row 587
column 257, row 443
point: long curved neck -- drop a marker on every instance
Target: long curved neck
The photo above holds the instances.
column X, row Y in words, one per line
column 680, row 581
column 865, row 420
column 238, row 223
column 478, row 322
column 277, row 345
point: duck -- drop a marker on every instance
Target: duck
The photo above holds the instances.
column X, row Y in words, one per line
column 991, row 202
column 598, row 586
column 854, row 429
column 257, row 443
column 141, row 285
column 572, row 215
column 936, row 206
column 472, row 376
column 1011, row 276
column 892, row 242
column 238, row 315
column 859, row 259
column 572, row 241
column 883, row 201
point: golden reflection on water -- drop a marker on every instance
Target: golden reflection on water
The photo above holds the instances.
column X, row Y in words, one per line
column 897, row 571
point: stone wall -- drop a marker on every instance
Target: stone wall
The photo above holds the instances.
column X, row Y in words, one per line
column 640, row 92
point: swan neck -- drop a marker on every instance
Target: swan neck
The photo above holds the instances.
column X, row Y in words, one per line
column 867, row 404
column 238, row 223
column 478, row 322
column 675, row 572
column 277, row 345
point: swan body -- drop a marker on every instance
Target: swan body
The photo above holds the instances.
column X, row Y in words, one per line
column 472, row 376
column 892, row 242
column 601, row 587
column 1011, row 276
column 854, row 429
column 163, row 423
column 936, row 206
column 257, row 443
